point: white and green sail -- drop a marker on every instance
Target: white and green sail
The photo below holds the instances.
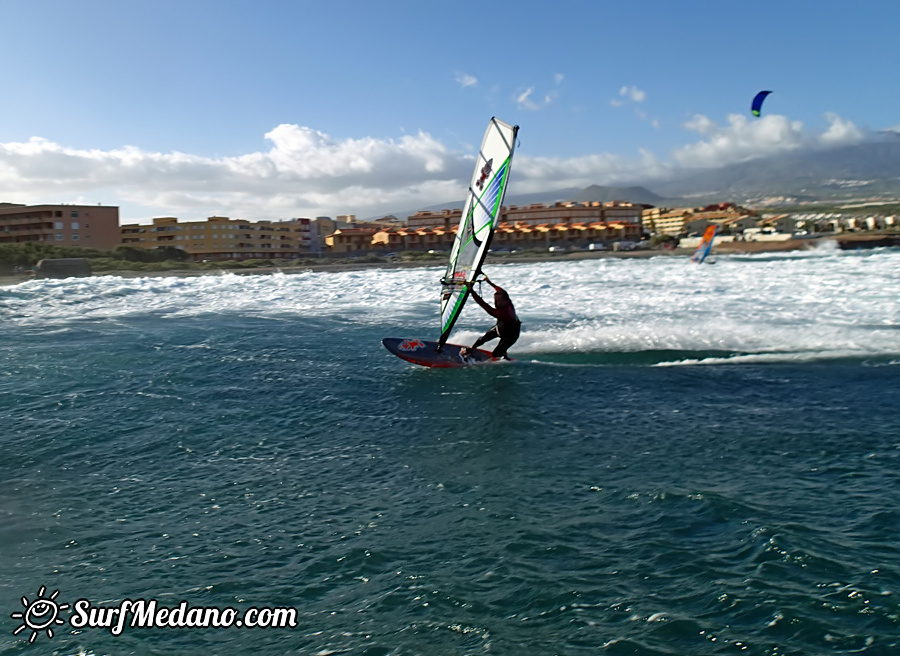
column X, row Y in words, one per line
column 480, row 217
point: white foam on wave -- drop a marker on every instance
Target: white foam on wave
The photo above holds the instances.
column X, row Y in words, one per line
column 816, row 248
column 767, row 308
column 770, row 358
column 355, row 294
column 710, row 335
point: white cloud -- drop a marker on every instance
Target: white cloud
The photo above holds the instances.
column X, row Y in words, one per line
column 305, row 172
column 464, row 80
column 840, row 132
column 744, row 138
column 629, row 94
column 551, row 96
column 535, row 174
column 633, row 93
column 524, row 100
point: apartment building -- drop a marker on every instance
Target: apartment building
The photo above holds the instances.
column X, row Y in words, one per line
column 349, row 240
column 722, row 213
column 666, row 222
column 568, row 235
column 507, row 236
column 571, row 212
column 540, row 214
column 677, row 221
column 91, row 226
column 441, row 219
column 223, row 238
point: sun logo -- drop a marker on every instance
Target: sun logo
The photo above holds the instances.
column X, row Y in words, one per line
column 40, row 614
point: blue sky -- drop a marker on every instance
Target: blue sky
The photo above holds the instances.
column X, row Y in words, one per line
column 266, row 110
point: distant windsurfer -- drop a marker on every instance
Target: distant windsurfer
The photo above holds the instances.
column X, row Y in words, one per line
column 508, row 325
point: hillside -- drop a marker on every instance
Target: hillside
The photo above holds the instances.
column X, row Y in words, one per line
column 867, row 169
column 597, row 193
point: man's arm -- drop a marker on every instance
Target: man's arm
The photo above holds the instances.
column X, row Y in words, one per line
column 487, row 308
column 496, row 287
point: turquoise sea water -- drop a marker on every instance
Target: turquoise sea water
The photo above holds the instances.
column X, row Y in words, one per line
column 682, row 460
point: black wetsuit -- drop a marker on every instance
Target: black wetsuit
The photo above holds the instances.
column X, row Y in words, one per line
column 507, row 328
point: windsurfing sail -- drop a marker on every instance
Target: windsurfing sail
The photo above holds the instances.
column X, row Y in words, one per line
column 705, row 245
column 480, row 216
column 756, row 106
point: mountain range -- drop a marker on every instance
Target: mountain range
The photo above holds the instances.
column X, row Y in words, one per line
column 866, row 170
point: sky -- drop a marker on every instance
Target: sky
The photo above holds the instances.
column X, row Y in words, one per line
column 271, row 110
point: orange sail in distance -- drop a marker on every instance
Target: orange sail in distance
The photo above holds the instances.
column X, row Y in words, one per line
column 705, row 245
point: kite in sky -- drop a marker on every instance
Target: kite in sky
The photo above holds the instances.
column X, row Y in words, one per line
column 758, row 101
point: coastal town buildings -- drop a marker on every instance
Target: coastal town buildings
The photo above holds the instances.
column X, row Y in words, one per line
column 571, row 212
column 561, row 225
column 665, row 221
column 574, row 234
column 430, row 219
column 319, row 229
column 540, row 214
column 222, row 238
column 518, row 236
column 564, row 224
column 349, row 240
column 732, row 226
column 90, row 226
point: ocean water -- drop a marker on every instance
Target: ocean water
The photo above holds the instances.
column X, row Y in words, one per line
column 681, row 460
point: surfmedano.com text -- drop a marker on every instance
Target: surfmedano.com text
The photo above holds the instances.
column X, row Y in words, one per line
column 141, row 613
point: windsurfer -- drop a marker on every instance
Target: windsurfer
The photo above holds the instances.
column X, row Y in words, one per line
column 508, row 325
